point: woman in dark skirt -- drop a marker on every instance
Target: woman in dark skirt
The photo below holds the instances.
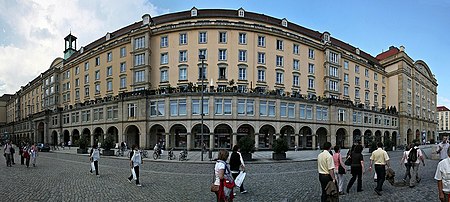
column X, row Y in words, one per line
column 357, row 168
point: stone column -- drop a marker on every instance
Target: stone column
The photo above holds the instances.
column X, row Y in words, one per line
column 168, row 144
column 277, row 135
column 234, row 140
column 188, row 141
column 314, row 142
column 297, row 140
column 256, row 140
column 92, row 140
column 362, row 140
column 211, row 141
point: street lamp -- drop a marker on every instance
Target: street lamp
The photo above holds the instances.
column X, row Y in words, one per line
column 202, row 74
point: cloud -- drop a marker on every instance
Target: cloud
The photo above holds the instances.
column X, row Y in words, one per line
column 443, row 101
column 32, row 32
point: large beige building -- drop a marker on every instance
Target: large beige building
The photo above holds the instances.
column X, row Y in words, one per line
column 262, row 77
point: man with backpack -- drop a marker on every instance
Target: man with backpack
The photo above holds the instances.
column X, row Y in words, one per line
column 414, row 157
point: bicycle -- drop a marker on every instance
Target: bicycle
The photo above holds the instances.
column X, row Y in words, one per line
column 156, row 154
column 171, row 155
column 183, row 155
column 121, row 152
column 144, row 153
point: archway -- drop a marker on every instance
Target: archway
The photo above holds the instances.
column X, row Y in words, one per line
column 305, row 137
column 157, row 136
column 54, row 138
column 66, row 136
column 409, row 136
column 98, row 135
column 394, row 138
column 40, row 133
column 87, row 134
column 387, row 139
column 75, row 136
column 114, row 132
column 288, row 132
column 132, row 135
column 265, row 139
column 197, row 133
column 322, row 135
column 368, row 138
column 356, row 136
column 222, row 136
column 417, row 137
column 180, row 136
column 377, row 136
column 245, row 130
column 341, row 133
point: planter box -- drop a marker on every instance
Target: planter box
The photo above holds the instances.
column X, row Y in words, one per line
column 108, row 152
column 246, row 156
column 82, row 151
column 279, row 156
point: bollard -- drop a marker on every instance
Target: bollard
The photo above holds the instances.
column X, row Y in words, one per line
column 210, row 154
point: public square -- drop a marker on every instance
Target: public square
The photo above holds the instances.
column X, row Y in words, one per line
column 64, row 176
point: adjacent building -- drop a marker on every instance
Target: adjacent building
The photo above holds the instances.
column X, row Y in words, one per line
column 443, row 122
column 261, row 77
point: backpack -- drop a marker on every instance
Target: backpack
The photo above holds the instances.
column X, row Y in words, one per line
column 412, row 156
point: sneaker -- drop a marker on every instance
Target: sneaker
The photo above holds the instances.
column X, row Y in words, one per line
column 139, row 185
column 418, row 180
column 244, row 192
column 378, row 192
column 98, row 175
column 129, row 180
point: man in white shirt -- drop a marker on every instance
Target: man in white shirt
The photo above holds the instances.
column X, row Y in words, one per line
column 442, row 148
column 415, row 165
column 443, row 178
column 325, row 166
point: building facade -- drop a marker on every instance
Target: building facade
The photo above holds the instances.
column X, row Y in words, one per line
column 443, row 121
column 262, row 77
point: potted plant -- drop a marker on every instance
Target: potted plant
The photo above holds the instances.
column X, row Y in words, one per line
column 82, row 144
column 107, row 145
column 387, row 144
column 247, row 145
column 280, row 147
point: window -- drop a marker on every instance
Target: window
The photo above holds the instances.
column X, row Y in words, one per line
column 261, row 75
column 157, row 108
column 375, row 87
column 139, row 76
column 261, row 58
column 333, row 85
column 311, row 68
column 311, row 53
column 109, row 57
column 123, row 52
column 123, row 82
column 375, row 76
column 356, row 68
column 109, row 71
column 346, row 78
column 222, row 106
column 356, row 81
column 242, row 38
column 279, row 45
column 97, row 61
column 139, row 43
column 322, row 113
column 202, row 71
column 196, row 106
column 178, row 107
column 283, row 109
column 164, row 42
column 222, row 54
column 183, row 56
column 222, row 37
column 242, row 73
column 242, row 55
column 139, row 59
column 77, row 70
column 112, row 112
column 272, row 108
column 182, row 74
column 97, row 75
column 308, row 111
column 357, row 93
column 341, row 115
column 310, row 83
column 296, row 64
column 302, row 111
column 98, row 114
column 86, row 66
column 279, row 61
column 279, row 78
column 77, row 82
column 345, row 90
column 366, row 72
column 246, row 107
column 334, row 71
column 86, row 115
column 86, row 91
column 266, row 108
column 202, row 37
column 222, row 72
column 383, row 90
column 123, row 67
column 366, row 84
column 164, row 58
column 203, row 52
column 164, row 75
column 183, row 39
column 97, row 88
column 334, row 57
column 296, row 49
column 86, row 79
column 132, row 110
column 295, row 80
column 366, row 96
column 261, row 41
column 345, row 64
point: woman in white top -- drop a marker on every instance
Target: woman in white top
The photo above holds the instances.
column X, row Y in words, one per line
column 94, row 157
column 404, row 160
column 135, row 163
column 220, row 170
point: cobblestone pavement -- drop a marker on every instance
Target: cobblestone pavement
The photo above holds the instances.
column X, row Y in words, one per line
column 65, row 177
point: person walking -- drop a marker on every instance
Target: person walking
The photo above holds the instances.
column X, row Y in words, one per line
column 26, row 155
column 237, row 165
column 33, row 154
column 339, row 169
column 221, row 171
column 381, row 159
column 94, row 157
column 7, row 153
column 135, row 163
column 356, row 168
column 415, row 157
column 407, row 164
column 325, row 167
column 13, row 151
column 443, row 179
column 442, row 148
column 21, row 151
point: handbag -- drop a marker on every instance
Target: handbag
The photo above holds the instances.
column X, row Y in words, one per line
column 348, row 162
column 341, row 170
column 214, row 188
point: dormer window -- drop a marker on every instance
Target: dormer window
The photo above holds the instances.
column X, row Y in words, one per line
column 326, row 37
column 284, row 22
column 241, row 12
column 193, row 12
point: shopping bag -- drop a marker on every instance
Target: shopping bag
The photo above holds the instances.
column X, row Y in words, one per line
column 92, row 166
column 240, row 179
column 134, row 174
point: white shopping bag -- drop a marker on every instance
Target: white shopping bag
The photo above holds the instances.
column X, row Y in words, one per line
column 134, row 174
column 240, row 179
column 375, row 176
column 92, row 166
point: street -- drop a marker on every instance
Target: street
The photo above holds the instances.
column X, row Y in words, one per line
column 66, row 177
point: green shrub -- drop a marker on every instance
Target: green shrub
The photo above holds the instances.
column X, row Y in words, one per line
column 82, row 142
column 247, row 144
column 280, row 145
column 108, row 142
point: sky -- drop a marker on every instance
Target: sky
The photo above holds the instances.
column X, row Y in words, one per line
column 32, row 31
